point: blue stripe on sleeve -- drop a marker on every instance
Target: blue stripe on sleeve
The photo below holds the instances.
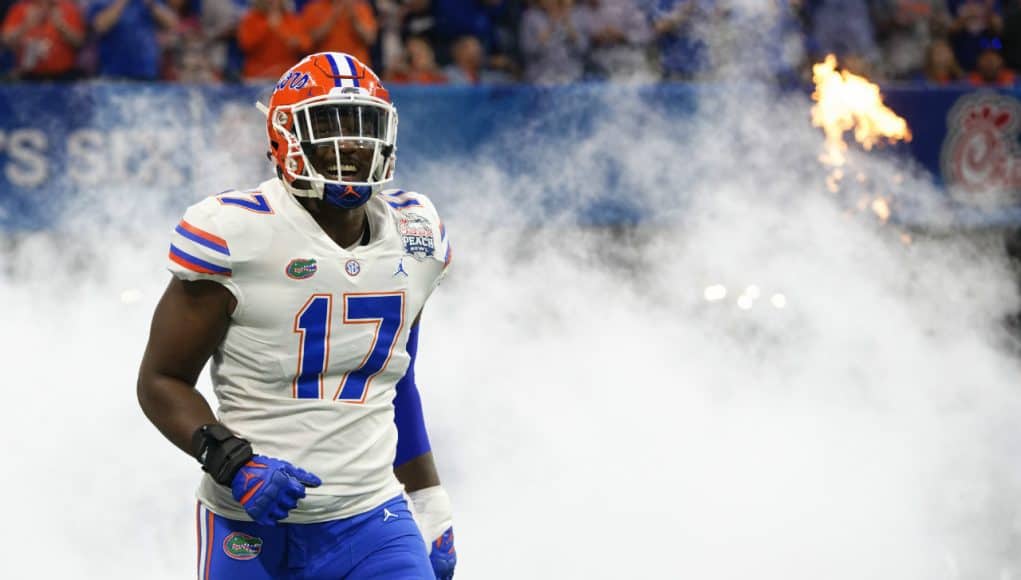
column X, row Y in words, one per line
column 402, row 204
column 197, row 261
column 202, row 241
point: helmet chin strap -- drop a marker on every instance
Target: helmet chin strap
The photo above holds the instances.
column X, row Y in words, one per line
column 343, row 196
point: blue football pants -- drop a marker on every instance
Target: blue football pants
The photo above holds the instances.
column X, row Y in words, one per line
column 380, row 544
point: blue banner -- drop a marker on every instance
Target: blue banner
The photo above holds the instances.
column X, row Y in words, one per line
column 60, row 140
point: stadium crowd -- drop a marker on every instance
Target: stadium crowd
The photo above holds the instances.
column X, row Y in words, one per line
column 503, row 41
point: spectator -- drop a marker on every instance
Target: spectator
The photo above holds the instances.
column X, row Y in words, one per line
column 501, row 47
column 479, row 18
column 341, row 26
column 469, row 66
column 191, row 62
column 6, row 56
column 171, row 39
column 905, row 29
column 842, row 28
column 219, row 21
column 759, row 41
column 974, row 23
column 553, row 43
column 400, row 20
column 941, row 66
column 619, row 38
column 990, row 70
column 1012, row 34
column 416, row 19
column 389, row 46
column 786, row 51
column 683, row 55
column 45, row 36
column 128, row 45
column 419, row 65
column 272, row 39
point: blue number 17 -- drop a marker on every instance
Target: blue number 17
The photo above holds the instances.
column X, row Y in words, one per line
column 313, row 322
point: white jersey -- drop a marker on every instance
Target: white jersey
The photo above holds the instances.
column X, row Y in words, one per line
column 308, row 368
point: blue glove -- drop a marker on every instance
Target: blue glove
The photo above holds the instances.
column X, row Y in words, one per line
column 443, row 556
column 269, row 488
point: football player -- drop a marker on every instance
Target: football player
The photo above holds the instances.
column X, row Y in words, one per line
column 307, row 292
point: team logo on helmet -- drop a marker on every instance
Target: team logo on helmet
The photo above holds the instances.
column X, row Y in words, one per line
column 241, row 546
column 300, row 269
column 416, row 235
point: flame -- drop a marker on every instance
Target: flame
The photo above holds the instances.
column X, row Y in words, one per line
column 846, row 101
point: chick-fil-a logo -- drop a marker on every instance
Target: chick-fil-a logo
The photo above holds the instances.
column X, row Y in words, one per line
column 980, row 151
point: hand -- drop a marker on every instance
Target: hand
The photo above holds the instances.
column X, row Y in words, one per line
column 34, row 16
column 342, row 7
column 269, row 488
column 57, row 19
column 443, row 556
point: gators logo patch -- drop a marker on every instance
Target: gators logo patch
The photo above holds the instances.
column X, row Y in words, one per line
column 300, row 269
column 416, row 235
column 242, row 546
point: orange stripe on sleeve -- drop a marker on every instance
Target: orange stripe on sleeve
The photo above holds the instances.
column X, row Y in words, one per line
column 203, row 233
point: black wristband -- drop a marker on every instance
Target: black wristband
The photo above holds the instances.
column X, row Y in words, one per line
column 220, row 452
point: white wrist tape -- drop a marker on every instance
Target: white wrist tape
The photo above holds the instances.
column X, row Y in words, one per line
column 431, row 507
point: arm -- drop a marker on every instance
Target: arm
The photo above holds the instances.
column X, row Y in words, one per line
column 108, row 17
column 637, row 31
column 190, row 321
column 162, row 14
column 364, row 23
column 70, row 28
column 669, row 22
column 413, row 464
column 252, row 30
column 317, row 23
column 20, row 20
column 415, row 468
column 532, row 35
column 293, row 33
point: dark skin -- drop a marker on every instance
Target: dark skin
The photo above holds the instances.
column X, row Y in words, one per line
column 189, row 323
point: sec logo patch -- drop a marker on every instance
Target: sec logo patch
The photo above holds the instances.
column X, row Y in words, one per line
column 353, row 268
column 242, row 546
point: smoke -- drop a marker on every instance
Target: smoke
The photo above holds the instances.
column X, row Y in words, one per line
column 595, row 412
column 629, row 427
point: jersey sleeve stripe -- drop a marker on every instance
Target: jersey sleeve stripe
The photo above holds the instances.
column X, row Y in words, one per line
column 186, row 260
column 202, row 237
column 447, row 258
column 403, row 204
